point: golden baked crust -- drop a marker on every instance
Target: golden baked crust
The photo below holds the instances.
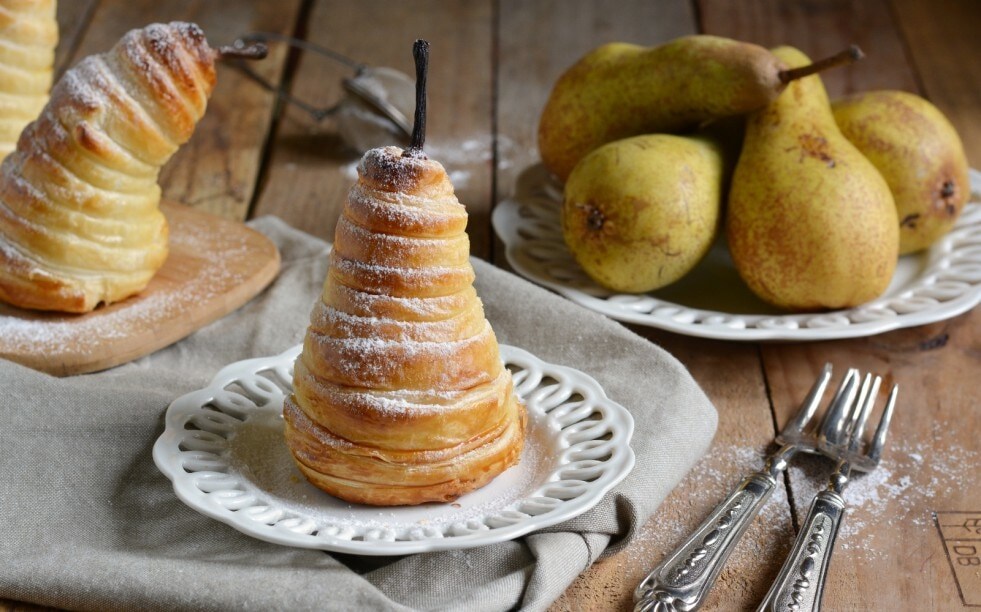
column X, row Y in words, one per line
column 79, row 217
column 28, row 37
column 400, row 396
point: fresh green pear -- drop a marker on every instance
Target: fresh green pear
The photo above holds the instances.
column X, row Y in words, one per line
column 620, row 90
column 639, row 213
column 811, row 223
column 918, row 152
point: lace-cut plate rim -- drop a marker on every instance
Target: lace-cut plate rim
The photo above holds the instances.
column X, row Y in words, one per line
column 711, row 302
column 223, row 450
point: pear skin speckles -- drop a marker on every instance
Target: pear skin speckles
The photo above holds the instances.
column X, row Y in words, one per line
column 639, row 213
column 919, row 154
column 810, row 224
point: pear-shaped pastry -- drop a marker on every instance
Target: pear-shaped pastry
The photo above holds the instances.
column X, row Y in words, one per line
column 400, row 396
column 28, row 37
column 79, row 217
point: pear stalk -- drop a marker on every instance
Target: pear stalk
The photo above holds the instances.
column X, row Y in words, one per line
column 811, row 224
column 420, row 52
column 849, row 55
column 620, row 90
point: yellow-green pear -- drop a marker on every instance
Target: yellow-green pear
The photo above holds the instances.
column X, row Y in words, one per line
column 811, row 223
column 639, row 213
column 918, row 152
column 620, row 90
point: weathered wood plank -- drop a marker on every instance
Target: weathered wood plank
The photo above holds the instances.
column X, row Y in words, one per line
column 820, row 29
column 943, row 46
column 310, row 170
column 730, row 373
column 731, row 377
column 73, row 22
column 890, row 534
column 217, row 169
column 538, row 41
column 890, row 555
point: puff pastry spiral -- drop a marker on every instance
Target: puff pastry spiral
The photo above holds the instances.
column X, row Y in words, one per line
column 400, row 396
column 79, row 217
column 28, row 37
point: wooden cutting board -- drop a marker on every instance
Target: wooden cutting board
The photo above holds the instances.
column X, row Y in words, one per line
column 214, row 267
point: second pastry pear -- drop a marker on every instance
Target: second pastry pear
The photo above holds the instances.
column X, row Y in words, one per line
column 79, row 217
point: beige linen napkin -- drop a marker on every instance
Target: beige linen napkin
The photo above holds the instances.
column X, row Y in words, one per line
column 88, row 522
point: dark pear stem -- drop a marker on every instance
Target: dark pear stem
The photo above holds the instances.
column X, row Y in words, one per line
column 420, row 52
column 253, row 51
column 849, row 55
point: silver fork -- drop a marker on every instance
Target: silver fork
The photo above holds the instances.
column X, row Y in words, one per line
column 683, row 579
column 800, row 583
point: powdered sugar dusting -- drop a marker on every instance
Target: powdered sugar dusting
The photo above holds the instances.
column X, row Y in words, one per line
column 897, row 497
column 374, row 271
column 49, row 335
column 396, row 168
column 461, row 156
column 714, row 477
column 374, row 305
column 79, row 85
column 401, row 401
column 381, row 363
column 343, row 324
column 881, row 507
column 209, row 265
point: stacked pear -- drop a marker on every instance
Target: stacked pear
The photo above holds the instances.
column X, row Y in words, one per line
column 918, row 153
column 620, row 90
column 822, row 203
column 640, row 213
column 811, row 223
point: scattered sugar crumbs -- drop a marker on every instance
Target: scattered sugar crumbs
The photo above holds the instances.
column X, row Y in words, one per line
column 51, row 333
column 912, row 481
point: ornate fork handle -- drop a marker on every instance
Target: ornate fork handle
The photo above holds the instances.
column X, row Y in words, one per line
column 682, row 581
column 801, row 580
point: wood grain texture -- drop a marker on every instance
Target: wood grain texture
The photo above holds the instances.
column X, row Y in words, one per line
column 889, row 537
column 217, row 169
column 821, row 28
column 493, row 64
column 889, row 530
column 311, row 170
column 943, row 46
column 729, row 374
column 214, row 267
column 73, row 22
column 560, row 32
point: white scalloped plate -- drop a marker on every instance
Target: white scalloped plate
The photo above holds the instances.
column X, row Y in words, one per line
column 223, row 449
column 712, row 302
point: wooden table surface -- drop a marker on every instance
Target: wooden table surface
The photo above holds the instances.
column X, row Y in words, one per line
column 493, row 63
